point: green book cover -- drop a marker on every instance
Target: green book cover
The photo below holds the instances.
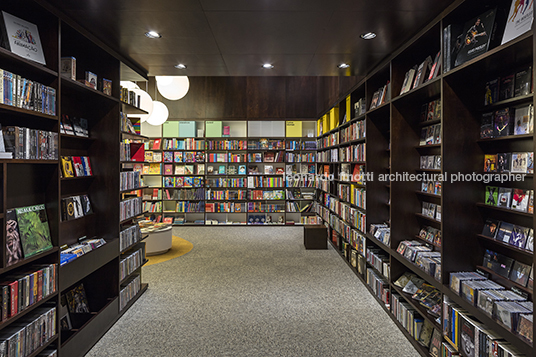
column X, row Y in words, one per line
column 213, row 129
column 34, row 230
column 492, row 194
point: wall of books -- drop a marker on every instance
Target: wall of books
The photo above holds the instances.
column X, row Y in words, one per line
column 230, row 172
column 429, row 183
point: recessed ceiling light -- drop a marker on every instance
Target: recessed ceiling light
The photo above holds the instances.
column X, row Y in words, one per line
column 368, row 36
column 268, row 65
column 343, row 65
column 180, row 66
column 153, row 34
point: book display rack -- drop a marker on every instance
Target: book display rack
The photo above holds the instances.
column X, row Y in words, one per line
column 67, row 178
column 447, row 253
column 237, row 173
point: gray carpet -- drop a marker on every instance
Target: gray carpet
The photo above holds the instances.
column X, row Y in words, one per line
column 253, row 291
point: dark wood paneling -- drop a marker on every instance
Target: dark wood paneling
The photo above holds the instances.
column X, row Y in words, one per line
column 266, row 97
column 226, row 97
column 301, row 97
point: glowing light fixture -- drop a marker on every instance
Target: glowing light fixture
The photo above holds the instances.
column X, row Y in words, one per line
column 368, row 36
column 159, row 115
column 343, row 65
column 153, row 34
column 268, row 66
column 172, row 87
column 180, row 66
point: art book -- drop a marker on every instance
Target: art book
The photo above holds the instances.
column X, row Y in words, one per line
column 34, row 231
column 22, row 38
column 77, row 301
column 519, row 20
column 13, row 243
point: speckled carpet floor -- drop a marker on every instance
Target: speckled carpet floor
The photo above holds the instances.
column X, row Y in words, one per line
column 252, row 291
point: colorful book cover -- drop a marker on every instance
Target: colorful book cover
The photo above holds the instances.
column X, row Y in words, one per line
column 34, row 231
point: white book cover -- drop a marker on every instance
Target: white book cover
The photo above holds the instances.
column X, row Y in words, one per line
column 519, row 20
column 23, row 38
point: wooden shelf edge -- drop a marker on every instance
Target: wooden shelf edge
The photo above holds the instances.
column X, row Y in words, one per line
column 29, row 309
column 29, row 260
column 44, row 346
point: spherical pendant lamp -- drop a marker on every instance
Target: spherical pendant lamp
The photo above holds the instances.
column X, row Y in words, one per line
column 173, row 87
column 159, row 114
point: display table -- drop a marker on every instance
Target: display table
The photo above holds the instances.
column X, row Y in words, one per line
column 159, row 240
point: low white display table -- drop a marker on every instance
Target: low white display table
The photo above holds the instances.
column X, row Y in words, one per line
column 159, row 240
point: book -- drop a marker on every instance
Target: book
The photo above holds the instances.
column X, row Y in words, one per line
column 77, row 302
column 86, row 205
column 492, row 195
column 505, row 230
column 68, row 67
column 91, row 80
column 426, row 334
column 490, row 163
column 491, row 91
column 520, row 199
column 506, row 87
column 503, row 123
column 436, row 66
column 13, row 243
column 78, row 167
column 478, row 34
column 522, row 118
column 523, row 82
column 519, row 162
column 22, row 38
column 520, row 273
column 505, row 197
column 519, row 20
column 519, row 235
column 487, row 126
column 504, row 162
column 490, row 228
column 34, row 230
column 67, row 166
column 467, row 336
column 435, row 343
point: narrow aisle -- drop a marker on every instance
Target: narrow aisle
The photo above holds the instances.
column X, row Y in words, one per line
column 253, row 291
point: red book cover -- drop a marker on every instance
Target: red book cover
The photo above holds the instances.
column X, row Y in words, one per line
column 168, row 220
column 156, row 144
column 87, row 165
column 137, row 152
column 39, row 285
column 78, row 167
column 14, row 297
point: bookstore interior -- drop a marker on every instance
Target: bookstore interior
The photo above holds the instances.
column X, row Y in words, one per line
column 418, row 171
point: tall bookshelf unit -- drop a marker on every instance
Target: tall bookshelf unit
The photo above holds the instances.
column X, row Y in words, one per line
column 393, row 146
column 31, row 182
column 235, row 177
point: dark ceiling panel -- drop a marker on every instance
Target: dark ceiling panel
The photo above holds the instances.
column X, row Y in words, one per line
column 284, row 65
column 360, row 64
column 392, row 29
column 128, row 5
column 268, row 5
column 234, row 37
column 266, row 32
column 390, row 5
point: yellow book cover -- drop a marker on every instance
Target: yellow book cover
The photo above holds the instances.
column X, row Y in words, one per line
column 325, row 123
column 349, row 108
column 154, row 169
column 319, row 126
column 294, row 129
column 333, row 118
column 67, row 166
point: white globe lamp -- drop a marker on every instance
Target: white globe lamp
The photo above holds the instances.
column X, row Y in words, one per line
column 173, row 87
column 159, row 115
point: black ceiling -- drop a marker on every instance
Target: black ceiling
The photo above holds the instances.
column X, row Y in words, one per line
column 235, row 37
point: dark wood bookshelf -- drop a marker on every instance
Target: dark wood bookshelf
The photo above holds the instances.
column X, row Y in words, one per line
column 29, row 309
column 134, row 189
column 422, row 311
column 502, row 209
column 45, row 345
column 504, row 245
column 504, row 281
column 26, row 112
column 23, row 262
